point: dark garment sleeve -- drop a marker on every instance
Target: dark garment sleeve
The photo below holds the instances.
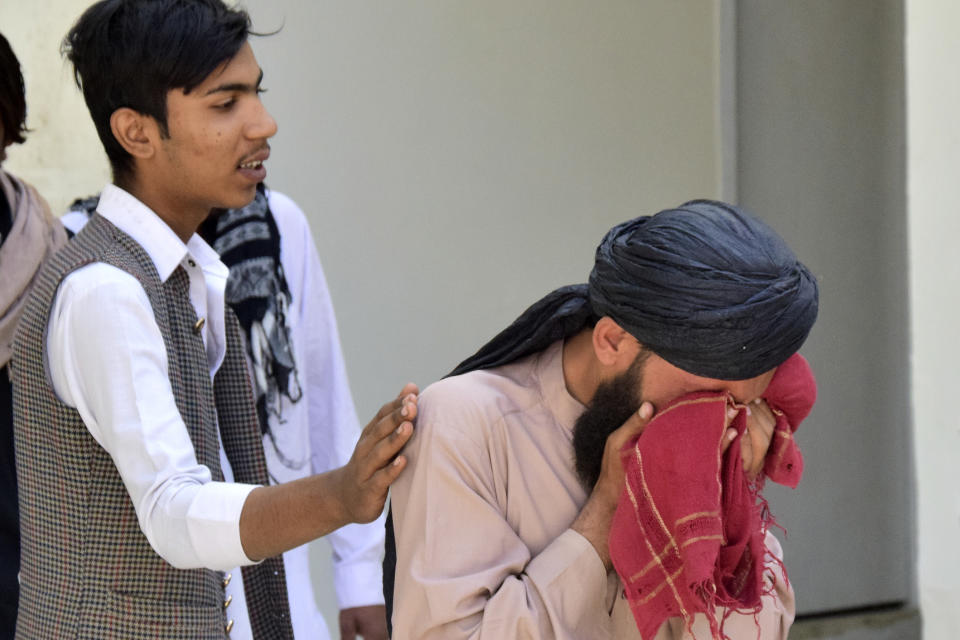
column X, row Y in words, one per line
column 6, row 218
column 9, row 514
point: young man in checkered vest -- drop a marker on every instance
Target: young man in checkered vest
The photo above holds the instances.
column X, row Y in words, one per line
column 139, row 454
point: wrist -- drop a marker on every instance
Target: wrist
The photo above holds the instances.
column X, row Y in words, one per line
column 333, row 493
column 593, row 523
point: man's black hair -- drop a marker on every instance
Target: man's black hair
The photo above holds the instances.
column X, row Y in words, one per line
column 132, row 53
column 13, row 104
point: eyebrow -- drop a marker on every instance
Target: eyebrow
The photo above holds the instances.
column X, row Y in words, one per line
column 237, row 86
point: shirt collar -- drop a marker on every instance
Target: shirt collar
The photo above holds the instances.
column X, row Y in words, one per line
column 206, row 257
column 565, row 408
column 164, row 247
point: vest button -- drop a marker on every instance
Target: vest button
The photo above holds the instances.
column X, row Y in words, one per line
column 229, row 626
column 199, row 325
column 226, row 580
column 226, row 603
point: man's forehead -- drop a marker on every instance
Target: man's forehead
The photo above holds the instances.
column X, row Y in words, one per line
column 238, row 73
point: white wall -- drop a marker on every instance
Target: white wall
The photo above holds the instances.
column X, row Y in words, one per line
column 933, row 193
column 62, row 156
column 821, row 157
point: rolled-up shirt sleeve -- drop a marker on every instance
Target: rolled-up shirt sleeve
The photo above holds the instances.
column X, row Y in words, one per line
column 107, row 359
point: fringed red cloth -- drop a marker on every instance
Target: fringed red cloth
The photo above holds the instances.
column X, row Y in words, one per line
column 688, row 533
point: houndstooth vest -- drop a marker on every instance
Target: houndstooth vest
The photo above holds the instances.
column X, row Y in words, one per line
column 87, row 570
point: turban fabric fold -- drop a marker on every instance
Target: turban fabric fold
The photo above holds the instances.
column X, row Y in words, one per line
column 707, row 287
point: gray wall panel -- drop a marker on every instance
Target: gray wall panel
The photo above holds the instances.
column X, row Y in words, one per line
column 821, row 156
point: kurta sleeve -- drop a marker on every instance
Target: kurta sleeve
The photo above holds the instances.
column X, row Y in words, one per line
column 462, row 570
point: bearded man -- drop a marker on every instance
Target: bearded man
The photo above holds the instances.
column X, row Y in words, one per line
column 503, row 519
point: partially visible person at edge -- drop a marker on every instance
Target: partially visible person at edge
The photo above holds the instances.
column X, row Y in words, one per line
column 502, row 521
column 277, row 288
column 140, row 457
column 29, row 235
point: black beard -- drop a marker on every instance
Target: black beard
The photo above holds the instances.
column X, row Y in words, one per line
column 613, row 403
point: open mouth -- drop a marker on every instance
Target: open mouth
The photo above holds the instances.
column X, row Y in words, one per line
column 251, row 167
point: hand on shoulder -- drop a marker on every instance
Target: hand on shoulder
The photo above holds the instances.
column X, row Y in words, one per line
column 377, row 461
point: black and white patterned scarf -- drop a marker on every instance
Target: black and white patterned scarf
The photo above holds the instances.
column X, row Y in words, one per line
column 248, row 243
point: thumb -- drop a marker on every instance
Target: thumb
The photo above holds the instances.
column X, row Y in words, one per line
column 633, row 427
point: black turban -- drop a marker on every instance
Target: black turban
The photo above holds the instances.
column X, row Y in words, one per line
column 706, row 286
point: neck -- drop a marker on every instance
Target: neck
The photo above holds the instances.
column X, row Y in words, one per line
column 581, row 372
column 183, row 220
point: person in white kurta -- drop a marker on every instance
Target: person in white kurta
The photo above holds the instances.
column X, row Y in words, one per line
column 321, row 429
column 485, row 548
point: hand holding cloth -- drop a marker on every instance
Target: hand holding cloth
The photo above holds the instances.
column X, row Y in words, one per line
column 688, row 533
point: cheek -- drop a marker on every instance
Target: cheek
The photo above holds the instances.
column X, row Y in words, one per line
column 207, row 146
column 658, row 391
column 662, row 382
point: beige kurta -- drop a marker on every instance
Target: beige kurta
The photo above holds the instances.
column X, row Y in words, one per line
column 482, row 516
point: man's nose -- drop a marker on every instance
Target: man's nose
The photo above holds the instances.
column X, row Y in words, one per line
column 263, row 125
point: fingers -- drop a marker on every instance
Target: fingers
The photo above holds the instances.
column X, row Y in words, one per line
column 409, row 389
column 732, row 412
column 386, row 449
column 645, row 413
column 753, row 446
column 634, row 426
column 380, row 482
column 376, row 460
column 367, row 489
column 610, row 483
column 380, row 447
column 728, row 439
column 763, row 417
column 746, row 454
column 391, row 416
column 386, row 435
column 731, row 433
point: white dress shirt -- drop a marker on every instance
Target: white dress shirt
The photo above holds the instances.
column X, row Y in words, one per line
column 316, row 434
column 107, row 359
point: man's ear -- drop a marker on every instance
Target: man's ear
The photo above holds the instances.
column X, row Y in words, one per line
column 613, row 345
column 137, row 133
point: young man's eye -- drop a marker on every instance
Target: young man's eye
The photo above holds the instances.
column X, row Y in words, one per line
column 225, row 105
column 261, row 89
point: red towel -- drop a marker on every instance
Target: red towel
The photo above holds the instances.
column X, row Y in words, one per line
column 688, row 533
